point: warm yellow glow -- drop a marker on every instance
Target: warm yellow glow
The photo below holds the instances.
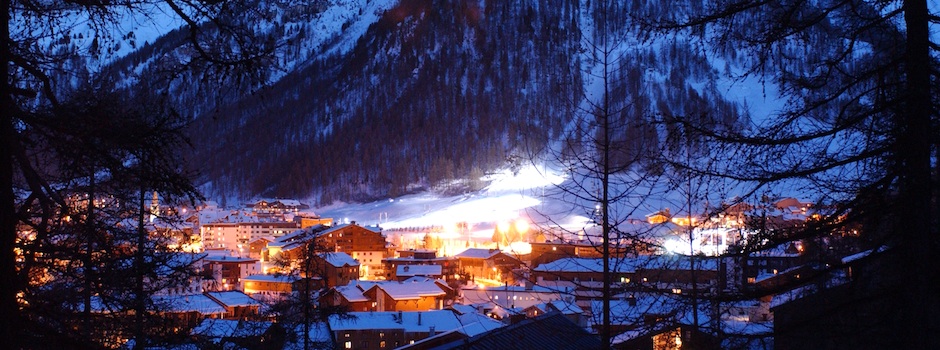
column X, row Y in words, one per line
column 684, row 221
column 502, row 226
column 657, row 219
column 519, row 248
column 522, row 226
column 451, row 228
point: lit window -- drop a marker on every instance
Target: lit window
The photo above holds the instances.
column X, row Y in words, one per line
column 349, row 345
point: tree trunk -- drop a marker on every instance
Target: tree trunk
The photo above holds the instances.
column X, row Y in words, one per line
column 917, row 236
column 140, row 302
column 9, row 322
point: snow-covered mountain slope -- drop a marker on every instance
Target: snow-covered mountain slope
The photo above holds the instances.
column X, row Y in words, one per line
column 377, row 99
column 436, row 90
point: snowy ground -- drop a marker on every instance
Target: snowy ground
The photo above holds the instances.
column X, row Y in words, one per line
column 510, row 199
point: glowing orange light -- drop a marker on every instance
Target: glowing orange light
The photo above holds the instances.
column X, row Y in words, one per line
column 522, row 225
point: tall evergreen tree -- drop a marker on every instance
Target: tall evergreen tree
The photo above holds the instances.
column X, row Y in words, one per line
column 858, row 130
column 35, row 95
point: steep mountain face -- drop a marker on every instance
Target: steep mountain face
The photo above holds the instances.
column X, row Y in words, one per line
column 373, row 99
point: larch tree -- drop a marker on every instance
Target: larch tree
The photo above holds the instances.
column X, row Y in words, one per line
column 41, row 72
column 601, row 157
column 857, row 129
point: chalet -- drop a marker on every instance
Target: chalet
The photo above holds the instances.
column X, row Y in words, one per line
column 549, row 251
column 549, row 331
column 760, row 265
column 348, row 297
column 275, row 207
column 334, row 269
column 237, row 305
column 224, row 272
column 403, row 272
column 659, row 217
column 389, row 330
column 270, row 286
column 673, row 271
column 415, row 258
column 585, row 269
column 793, row 206
column 364, row 243
column 306, row 220
column 473, row 324
column 492, row 264
column 186, row 311
column 255, row 246
column 511, row 297
column 571, row 310
column 408, row 296
column 416, row 294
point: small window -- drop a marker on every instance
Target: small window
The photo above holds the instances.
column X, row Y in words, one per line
column 349, row 345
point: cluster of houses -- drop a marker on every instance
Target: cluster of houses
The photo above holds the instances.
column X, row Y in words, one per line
column 416, row 299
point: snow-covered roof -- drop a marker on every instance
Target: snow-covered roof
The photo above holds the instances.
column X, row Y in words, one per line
column 230, row 259
column 233, row 217
column 856, row 256
column 478, row 253
column 291, row 202
column 626, row 265
column 211, row 215
column 504, row 312
column 476, row 323
column 297, row 237
column 339, row 259
column 271, row 278
column 234, row 298
column 418, row 270
column 319, row 335
column 564, row 306
column 351, row 292
column 262, row 238
column 411, row 321
column 503, row 295
column 339, row 227
column 411, row 290
column 217, row 329
column 464, row 309
column 188, row 303
column 587, row 265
